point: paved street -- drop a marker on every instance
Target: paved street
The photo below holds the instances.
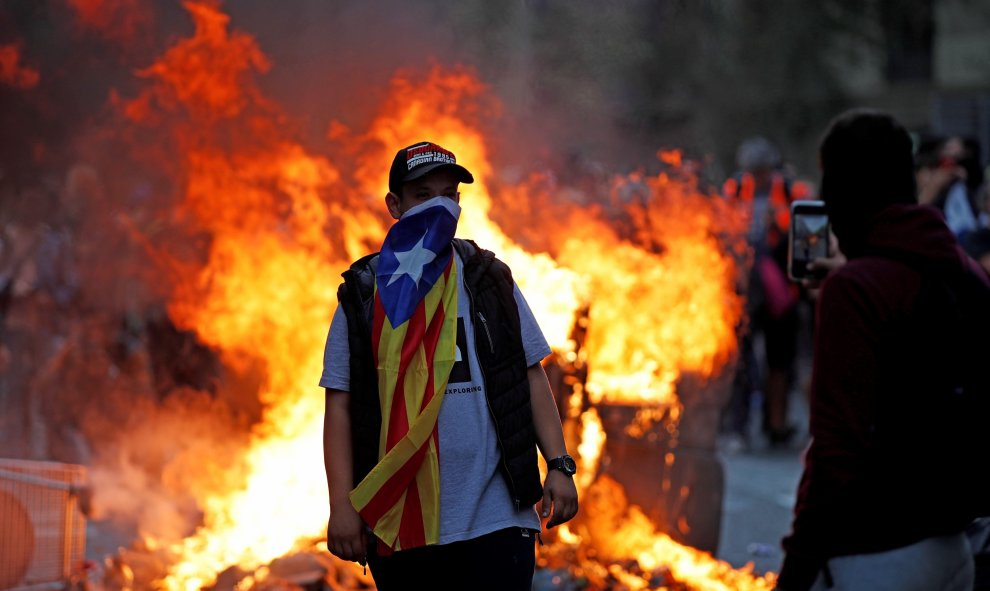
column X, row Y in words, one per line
column 759, row 496
column 760, row 486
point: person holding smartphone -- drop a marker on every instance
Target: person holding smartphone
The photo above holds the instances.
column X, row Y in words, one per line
column 886, row 495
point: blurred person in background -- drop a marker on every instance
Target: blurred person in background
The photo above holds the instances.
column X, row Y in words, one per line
column 880, row 505
column 950, row 178
column 762, row 187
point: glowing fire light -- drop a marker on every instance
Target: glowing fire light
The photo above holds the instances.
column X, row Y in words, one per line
column 277, row 244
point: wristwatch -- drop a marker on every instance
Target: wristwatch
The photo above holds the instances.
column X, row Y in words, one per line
column 564, row 463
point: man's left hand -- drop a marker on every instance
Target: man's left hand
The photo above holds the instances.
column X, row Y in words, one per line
column 559, row 497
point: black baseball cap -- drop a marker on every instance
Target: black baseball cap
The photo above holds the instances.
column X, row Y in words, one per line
column 413, row 162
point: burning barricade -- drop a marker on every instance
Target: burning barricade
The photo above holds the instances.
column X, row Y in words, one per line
column 635, row 290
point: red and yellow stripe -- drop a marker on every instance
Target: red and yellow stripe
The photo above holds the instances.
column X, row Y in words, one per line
column 400, row 498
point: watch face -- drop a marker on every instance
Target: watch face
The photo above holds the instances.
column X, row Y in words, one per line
column 563, row 463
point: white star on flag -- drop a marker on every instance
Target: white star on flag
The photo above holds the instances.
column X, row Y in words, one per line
column 411, row 262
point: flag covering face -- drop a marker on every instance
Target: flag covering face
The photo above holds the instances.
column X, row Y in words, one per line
column 414, row 333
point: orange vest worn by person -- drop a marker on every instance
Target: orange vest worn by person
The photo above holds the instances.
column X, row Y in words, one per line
column 781, row 295
column 781, row 196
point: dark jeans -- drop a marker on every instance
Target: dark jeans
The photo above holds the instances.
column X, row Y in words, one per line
column 780, row 341
column 503, row 560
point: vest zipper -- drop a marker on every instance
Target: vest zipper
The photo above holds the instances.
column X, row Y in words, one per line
column 488, row 334
column 484, row 378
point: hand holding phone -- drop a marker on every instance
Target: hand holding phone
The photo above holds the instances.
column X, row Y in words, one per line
column 808, row 239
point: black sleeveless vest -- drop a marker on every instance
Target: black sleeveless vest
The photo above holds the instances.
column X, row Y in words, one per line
column 498, row 341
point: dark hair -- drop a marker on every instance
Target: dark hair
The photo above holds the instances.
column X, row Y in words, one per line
column 867, row 164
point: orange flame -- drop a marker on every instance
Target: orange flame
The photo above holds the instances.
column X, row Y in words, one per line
column 658, row 298
column 260, row 299
column 628, row 549
column 656, row 313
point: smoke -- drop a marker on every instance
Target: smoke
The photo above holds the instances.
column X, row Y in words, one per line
column 145, row 475
column 333, row 61
column 559, row 71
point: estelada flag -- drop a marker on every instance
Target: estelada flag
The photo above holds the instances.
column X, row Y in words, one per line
column 414, row 332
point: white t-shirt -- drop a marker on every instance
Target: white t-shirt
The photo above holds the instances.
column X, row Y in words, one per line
column 474, row 497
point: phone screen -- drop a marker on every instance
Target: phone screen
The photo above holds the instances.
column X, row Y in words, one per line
column 808, row 238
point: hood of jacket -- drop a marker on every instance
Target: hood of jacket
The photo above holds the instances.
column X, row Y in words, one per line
column 915, row 233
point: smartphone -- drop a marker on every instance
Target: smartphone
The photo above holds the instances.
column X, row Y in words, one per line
column 807, row 239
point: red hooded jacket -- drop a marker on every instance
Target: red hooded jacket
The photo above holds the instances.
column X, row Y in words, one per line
column 876, row 365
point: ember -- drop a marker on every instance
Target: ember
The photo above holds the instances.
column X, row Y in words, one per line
column 635, row 292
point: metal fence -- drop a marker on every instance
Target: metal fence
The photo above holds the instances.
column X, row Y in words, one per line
column 42, row 525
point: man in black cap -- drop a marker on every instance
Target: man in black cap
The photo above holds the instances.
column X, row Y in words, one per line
column 437, row 401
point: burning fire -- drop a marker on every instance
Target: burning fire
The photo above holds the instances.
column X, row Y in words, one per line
column 655, row 299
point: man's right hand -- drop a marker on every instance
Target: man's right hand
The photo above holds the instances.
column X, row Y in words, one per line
column 346, row 536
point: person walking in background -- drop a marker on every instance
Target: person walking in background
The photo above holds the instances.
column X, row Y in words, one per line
column 886, row 491
column 436, row 402
column 950, row 178
column 771, row 300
